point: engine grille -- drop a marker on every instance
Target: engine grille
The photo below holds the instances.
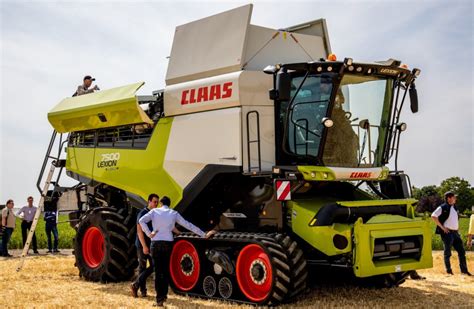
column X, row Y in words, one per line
column 397, row 247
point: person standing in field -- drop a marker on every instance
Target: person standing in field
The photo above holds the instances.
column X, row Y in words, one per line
column 28, row 212
column 143, row 250
column 51, row 226
column 163, row 220
column 447, row 226
column 8, row 225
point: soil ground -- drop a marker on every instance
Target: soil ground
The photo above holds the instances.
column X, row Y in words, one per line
column 52, row 281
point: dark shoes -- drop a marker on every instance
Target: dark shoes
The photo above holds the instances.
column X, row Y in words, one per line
column 7, row 255
column 466, row 273
column 56, row 251
column 416, row 276
column 143, row 293
column 133, row 290
column 49, row 251
column 158, row 304
column 449, row 272
column 35, row 252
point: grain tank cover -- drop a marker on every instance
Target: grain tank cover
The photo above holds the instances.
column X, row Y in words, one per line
column 227, row 42
column 107, row 108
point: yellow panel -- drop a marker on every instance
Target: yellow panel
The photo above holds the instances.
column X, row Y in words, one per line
column 116, row 106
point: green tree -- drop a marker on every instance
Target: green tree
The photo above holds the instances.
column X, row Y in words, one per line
column 462, row 188
column 428, row 198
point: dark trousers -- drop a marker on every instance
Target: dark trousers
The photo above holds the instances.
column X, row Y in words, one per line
column 161, row 252
column 25, row 227
column 452, row 239
column 7, row 234
column 52, row 228
column 143, row 271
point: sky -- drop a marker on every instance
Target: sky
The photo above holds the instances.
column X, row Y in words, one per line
column 46, row 47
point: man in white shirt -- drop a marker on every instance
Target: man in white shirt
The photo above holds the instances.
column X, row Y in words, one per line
column 28, row 212
column 163, row 220
column 447, row 225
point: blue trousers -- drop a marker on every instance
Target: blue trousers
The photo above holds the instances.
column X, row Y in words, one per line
column 7, row 234
column 143, row 271
column 452, row 239
column 52, row 228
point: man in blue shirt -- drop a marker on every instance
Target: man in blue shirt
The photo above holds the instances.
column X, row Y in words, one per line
column 143, row 250
column 163, row 220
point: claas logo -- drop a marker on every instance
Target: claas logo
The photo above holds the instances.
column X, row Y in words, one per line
column 361, row 175
column 206, row 93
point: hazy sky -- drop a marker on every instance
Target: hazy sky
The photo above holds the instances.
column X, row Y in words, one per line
column 48, row 46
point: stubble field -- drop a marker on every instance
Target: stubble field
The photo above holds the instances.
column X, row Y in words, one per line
column 52, row 281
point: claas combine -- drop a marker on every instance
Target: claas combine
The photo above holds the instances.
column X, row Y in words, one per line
column 266, row 137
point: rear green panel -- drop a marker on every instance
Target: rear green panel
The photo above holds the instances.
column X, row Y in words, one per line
column 360, row 236
column 365, row 235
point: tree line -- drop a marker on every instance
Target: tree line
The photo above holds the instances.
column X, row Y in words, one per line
column 430, row 197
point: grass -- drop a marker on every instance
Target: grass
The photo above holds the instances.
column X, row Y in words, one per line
column 66, row 234
column 65, row 231
column 53, row 281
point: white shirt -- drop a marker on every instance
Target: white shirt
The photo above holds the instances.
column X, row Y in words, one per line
column 452, row 222
column 163, row 220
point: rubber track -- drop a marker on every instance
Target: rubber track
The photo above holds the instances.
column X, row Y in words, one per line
column 275, row 251
column 297, row 263
column 116, row 267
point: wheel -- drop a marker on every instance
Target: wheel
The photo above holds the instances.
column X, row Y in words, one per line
column 254, row 273
column 184, row 265
column 209, row 286
column 297, row 263
column 225, row 288
column 101, row 246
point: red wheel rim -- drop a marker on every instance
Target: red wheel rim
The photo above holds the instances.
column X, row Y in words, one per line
column 254, row 273
column 184, row 265
column 93, row 247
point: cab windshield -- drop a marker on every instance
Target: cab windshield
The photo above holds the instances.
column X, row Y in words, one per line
column 360, row 115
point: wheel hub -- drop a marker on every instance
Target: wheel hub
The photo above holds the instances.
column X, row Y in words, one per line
column 187, row 264
column 258, row 272
column 93, row 245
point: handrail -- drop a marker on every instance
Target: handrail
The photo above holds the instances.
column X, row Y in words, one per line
column 45, row 161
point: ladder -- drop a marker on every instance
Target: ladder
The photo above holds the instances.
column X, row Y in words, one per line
column 55, row 163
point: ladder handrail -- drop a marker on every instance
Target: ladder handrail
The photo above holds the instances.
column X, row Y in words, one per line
column 45, row 161
column 250, row 167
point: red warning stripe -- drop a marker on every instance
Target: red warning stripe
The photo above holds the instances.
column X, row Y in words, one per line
column 283, row 190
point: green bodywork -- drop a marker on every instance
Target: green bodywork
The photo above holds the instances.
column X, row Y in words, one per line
column 137, row 171
column 323, row 173
column 303, row 221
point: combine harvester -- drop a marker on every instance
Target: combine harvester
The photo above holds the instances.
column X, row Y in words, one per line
column 262, row 134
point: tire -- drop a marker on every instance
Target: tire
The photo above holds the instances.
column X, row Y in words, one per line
column 101, row 246
column 270, row 286
column 297, row 263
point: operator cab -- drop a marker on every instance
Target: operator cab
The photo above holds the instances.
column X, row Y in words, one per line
column 339, row 114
